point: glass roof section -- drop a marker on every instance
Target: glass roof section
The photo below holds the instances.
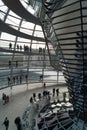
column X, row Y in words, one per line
column 18, row 23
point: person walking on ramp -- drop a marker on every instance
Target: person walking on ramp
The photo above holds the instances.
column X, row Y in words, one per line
column 6, row 123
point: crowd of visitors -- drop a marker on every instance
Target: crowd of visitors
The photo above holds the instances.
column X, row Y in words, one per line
column 21, row 78
column 45, row 94
column 17, row 79
column 25, row 48
column 53, row 102
column 20, row 48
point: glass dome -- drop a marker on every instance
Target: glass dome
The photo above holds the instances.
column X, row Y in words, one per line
column 38, row 38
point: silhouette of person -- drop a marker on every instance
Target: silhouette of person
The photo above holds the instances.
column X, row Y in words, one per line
column 9, row 63
column 53, row 92
column 26, row 77
column 30, row 48
column 20, row 79
column 14, row 80
column 57, row 91
column 44, row 85
column 4, row 98
column 10, row 45
column 64, row 96
column 17, row 47
column 8, row 81
column 34, row 96
column 6, row 123
column 41, row 77
column 18, row 123
column 20, row 48
column 31, row 100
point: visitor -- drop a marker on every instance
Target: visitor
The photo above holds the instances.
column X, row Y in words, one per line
column 64, row 96
column 20, row 79
column 18, row 123
column 57, row 92
column 26, row 77
column 10, row 45
column 14, row 80
column 44, row 85
column 53, row 92
column 39, row 96
column 6, row 123
column 9, row 64
column 4, row 98
column 17, row 47
column 30, row 49
column 20, row 48
column 41, row 77
column 31, row 99
column 8, row 80
column 34, row 96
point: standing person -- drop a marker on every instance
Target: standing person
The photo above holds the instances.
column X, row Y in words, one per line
column 6, row 123
column 9, row 81
column 4, row 98
column 34, row 96
column 41, row 77
column 10, row 45
column 30, row 48
column 9, row 64
column 18, row 123
column 44, row 85
column 64, row 96
column 53, row 92
column 57, row 91
column 44, row 90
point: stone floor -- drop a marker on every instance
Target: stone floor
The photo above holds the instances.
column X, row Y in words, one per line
column 19, row 100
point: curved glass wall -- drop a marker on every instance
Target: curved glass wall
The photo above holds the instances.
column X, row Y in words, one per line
column 24, row 53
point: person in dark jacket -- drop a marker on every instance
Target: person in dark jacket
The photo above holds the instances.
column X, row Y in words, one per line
column 18, row 123
column 6, row 123
column 4, row 98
